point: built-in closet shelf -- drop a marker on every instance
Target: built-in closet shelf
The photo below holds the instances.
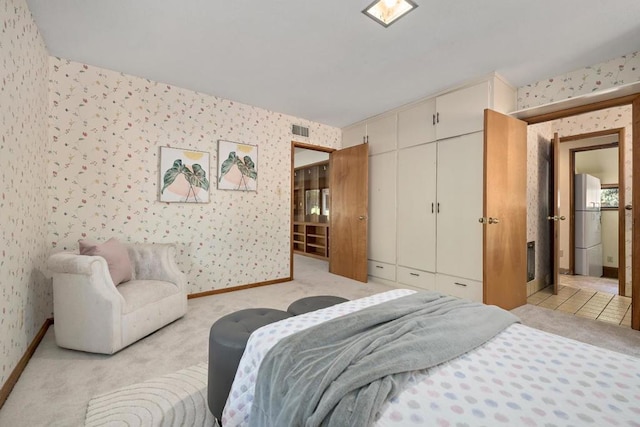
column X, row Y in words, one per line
column 311, row 210
column 311, row 239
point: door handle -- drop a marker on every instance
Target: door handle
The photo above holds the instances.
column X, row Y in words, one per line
column 628, row 207
column 489, row 220
column 362, row 217
column 556, row 218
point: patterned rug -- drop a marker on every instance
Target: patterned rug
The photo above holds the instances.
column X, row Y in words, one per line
column 178, row 399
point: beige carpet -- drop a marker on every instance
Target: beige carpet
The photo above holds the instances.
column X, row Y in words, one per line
column 172, row 400
column 57, row 385
column 60, row 382
column 601, row 334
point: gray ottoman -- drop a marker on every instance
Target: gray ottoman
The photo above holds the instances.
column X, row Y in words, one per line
column 227, row 339
column 305, row 305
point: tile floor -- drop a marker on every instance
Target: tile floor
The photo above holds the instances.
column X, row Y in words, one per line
column 601, row 284
column 588, row 303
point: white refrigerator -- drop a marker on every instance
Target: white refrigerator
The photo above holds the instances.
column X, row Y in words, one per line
column 588, row 226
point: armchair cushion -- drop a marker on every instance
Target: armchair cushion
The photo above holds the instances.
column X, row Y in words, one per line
column 116, row 255
column 138, row 293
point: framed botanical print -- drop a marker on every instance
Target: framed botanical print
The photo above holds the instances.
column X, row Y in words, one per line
column 237, row 166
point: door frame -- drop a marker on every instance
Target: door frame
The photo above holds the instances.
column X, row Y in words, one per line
column 634, row 100
column 294, row 145
column 621, row 184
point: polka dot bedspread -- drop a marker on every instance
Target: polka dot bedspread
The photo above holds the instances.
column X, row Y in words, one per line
column 523, row 377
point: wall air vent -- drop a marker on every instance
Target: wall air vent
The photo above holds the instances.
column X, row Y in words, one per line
column 300, row 130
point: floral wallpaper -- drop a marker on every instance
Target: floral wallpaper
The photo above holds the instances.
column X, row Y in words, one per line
column 106, row 130
column 25, row 294
column 616, row 72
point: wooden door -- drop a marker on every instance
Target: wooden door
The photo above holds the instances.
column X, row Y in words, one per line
column 349, row 177
column 554, row 225
column 505, row 211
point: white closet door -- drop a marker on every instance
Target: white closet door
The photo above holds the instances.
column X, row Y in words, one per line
column 459, row 189
column 462, row 112
column 382, row 207
column 416, row 207
column 354, row 135
column 382, row 133
column 416, row 125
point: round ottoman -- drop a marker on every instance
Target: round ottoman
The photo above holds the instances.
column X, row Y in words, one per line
column 305, row 305
column 227, row 339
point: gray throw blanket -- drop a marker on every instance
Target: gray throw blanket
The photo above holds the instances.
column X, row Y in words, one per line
column 341, row 372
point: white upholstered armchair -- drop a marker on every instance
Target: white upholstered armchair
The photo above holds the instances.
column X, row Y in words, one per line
column 92, row 314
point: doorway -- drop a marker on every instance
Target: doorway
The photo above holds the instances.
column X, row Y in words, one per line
column 346, row 202
column 310, row 209
column 597, row 158
column 632, row 103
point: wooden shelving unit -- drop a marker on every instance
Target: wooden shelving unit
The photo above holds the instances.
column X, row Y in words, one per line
column 299, row 237
column 311, row 210
column 316, row 239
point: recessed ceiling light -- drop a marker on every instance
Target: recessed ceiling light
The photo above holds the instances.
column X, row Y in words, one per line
column 386, row 12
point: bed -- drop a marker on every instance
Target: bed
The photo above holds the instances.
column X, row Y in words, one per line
column 522, row 376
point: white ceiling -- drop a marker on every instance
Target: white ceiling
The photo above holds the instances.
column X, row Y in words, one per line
column 326, row 61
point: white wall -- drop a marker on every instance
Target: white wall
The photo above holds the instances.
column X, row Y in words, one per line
column 610, row 251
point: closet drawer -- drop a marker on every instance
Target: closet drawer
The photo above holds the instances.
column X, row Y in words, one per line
column 382, row 270
column 417, row 278
column 461, row 288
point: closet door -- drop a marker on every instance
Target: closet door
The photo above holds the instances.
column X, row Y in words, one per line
column 382, row 133
column 416, row 207
column 462, row 112
column 459, row 206
column 354, row 135
column 417, row 125
column 382, row 208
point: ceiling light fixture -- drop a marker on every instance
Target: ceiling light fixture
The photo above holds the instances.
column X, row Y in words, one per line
column 386, row 12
